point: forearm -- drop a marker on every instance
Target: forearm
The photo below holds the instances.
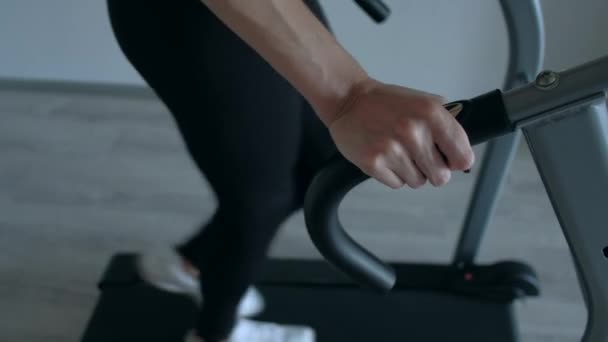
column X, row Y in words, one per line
column 287, row 35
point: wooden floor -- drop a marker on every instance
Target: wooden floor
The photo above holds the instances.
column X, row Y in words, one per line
column 89, row 171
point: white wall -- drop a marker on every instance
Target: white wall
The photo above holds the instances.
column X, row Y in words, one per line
column 456, row 48
column 60, row 39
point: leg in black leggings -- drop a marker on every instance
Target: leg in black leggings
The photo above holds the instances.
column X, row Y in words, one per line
column 252, row 135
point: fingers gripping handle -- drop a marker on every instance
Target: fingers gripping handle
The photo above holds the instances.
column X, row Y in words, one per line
column 483, row 118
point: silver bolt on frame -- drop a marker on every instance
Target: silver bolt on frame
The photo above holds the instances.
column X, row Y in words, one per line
column 547, row 80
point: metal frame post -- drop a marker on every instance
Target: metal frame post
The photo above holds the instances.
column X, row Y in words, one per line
column 571, row 154
column 526, row 44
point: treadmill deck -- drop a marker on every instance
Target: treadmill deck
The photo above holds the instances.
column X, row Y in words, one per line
column 129, row 310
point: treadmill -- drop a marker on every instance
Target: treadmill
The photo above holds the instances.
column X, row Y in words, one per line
column 357, row 297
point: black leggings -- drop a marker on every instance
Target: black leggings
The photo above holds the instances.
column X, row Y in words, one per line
column 252, row 135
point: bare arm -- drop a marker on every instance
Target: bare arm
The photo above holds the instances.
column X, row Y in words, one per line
column 394, row 134
column 287, row 35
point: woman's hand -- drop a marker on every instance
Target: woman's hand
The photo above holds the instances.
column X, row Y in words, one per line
column 400, row 136
column 393, row 134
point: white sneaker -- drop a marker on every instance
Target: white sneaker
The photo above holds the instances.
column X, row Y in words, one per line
column 255, row 331
column 165, row 270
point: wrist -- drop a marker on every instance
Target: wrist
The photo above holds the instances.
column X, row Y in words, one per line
column 333, row 104
column 355, row 93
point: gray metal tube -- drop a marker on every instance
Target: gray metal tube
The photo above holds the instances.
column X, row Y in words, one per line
column 526, row 103
column 571, row 153
column 497, row 158
column 525, row 29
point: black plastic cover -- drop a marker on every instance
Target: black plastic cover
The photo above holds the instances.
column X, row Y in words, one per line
column 376, row 9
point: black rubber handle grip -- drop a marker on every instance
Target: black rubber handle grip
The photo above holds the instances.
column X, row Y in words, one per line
column 376, row 9
column 483, row 118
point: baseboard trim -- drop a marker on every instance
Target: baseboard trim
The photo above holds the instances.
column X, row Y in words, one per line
column 75, row 87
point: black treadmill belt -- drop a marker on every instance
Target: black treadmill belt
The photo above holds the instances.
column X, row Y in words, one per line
column 355, row 316
column 129, row 311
